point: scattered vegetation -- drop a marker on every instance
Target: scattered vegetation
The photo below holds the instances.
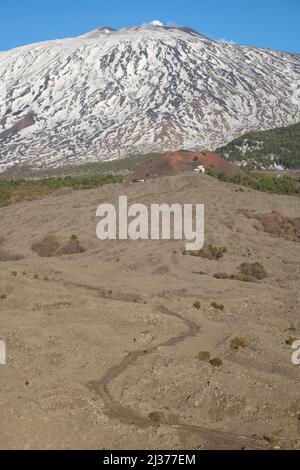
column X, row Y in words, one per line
column 72, row 247
column 3, row 296
column 216, row 362
column 47, row 247
column 110, row 168
column 217, row 306
column 50, row 246
column 278, row 225
column 204, row 356
column 211, row 252
column 240, row 342
column 248, row 272
column 197, row 305
column 270, row 438
column 13, row 191
column 242, row 278
column 265, row 183
column 158, row 416
column 254, row 270
column 222, row 276
column 290, row 341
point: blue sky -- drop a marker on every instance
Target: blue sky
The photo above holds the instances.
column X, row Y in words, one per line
column 264, row 23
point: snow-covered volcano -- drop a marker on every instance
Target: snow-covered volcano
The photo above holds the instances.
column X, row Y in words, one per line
column 107, row 94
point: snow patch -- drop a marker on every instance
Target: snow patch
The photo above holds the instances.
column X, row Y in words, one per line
column 156, row 23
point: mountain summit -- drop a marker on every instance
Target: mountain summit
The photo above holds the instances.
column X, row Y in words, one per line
column 157, row 23
column 108, row 93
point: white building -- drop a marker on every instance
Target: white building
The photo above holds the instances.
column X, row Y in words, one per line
column 200, row 169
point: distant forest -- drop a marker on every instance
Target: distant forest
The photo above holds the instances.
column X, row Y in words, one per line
column 263, row 149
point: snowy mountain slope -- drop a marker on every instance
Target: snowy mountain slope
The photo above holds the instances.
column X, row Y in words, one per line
column 109, row 93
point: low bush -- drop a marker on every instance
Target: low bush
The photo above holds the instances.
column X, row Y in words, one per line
column 222, row 276
column 254, row 270
column 50, row 247
column 158, row 417
column 204, row 356
column 217, row 306
column 240, row 342
column 47, row 247
column 216, row 362
column 211, row 252
column 72, row 247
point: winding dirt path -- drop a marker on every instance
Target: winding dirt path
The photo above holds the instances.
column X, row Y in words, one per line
column 216, row 439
